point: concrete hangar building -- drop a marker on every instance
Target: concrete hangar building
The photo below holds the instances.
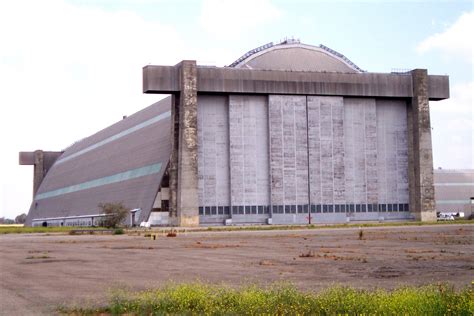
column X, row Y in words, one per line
column 287, row 134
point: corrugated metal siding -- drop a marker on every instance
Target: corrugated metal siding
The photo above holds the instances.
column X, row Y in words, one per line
column 454, row 190
column 142, row 147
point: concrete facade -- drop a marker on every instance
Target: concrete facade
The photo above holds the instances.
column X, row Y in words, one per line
column 279, row 144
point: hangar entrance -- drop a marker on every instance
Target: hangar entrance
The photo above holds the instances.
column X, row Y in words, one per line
column 282, row 158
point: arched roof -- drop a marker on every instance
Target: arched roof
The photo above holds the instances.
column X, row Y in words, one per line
column 291, row 55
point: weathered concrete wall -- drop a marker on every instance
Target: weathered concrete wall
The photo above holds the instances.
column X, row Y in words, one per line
column 360, row 143
column 288, row 153
column 187, row 196
column 213, row 156
column 424, row 206
column 165, row 79
column 338, row 158
column 249, row 159
column 392, row 158
column 326, row 150
column 38, row 170
column 173, row 165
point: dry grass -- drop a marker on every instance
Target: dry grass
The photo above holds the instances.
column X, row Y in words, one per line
column 266, row 263
column 309, row 254
column 172, row 233
column 199, row 244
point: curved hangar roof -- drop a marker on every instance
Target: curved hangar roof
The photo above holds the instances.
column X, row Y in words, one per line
column 123, row 163
column 291, row 55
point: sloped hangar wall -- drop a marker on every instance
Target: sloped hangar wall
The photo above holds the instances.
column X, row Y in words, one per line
column 284, row 157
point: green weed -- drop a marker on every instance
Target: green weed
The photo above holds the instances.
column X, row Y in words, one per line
column 30, row 230
column 281, row 299
column 118, row 231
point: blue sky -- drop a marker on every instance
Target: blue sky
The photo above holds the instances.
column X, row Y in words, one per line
column 69, row 68
column 378, row 35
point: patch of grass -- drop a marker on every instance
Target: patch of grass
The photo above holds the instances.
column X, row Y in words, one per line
column 281, row 299
column 201, row 245
column 38, row 257
column 30, row 230
column 65, row 229
column 330, row 226
column 118, row 231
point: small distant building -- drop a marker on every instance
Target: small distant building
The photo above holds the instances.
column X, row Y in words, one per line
column 289, row 133
column 454, row 191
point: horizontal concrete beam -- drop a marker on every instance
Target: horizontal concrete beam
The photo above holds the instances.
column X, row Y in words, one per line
column 160, row 79
column 27, row 158
column 438, row 87
column 166, row 80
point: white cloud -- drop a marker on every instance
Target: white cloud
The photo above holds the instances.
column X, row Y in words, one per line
column 226, row 18
column 460, row 101
column 455, row 41
column 67, row 72
column 453, row 128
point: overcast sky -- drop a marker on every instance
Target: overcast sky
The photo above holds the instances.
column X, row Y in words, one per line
column 71, row 68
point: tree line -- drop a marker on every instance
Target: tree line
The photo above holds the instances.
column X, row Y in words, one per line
column 20, row 219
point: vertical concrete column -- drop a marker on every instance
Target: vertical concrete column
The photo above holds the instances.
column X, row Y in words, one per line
column 39, row 171
column 422, row 200
column 42, row 162
column 187, row 193
column 173, row 166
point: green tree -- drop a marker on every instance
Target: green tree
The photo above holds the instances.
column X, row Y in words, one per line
column 115, row 214
column 20, row 219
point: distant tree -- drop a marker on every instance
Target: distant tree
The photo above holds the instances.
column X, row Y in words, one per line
column 6, row 221
column 20, row 219
column 115, row 213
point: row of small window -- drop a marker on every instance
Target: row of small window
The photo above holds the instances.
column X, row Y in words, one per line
column 62, row 223
column 340, row 208
column 293, row 209
column 225, row 210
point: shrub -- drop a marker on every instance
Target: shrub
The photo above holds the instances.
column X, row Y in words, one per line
column 115, row 214
column 20, row 219
column 118, row 231
column 172, row 233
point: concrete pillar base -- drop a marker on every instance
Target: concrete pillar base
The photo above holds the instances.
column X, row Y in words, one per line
column 189, row 221
column 420, row 162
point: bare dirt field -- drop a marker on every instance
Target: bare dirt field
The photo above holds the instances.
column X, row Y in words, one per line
column 39, row 272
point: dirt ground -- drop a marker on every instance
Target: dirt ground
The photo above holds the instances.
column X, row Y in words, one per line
column 39, row 272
